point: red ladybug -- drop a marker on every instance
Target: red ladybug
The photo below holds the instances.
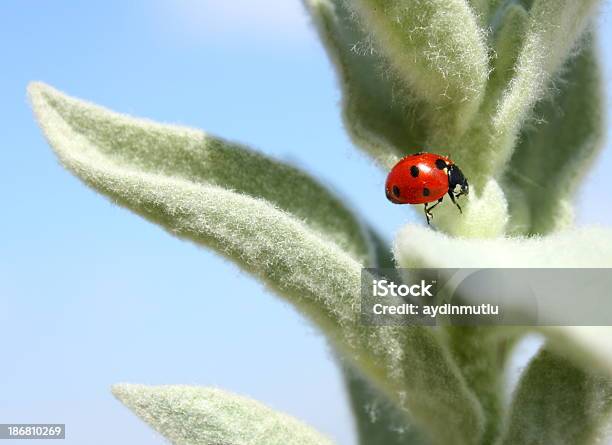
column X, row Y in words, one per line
column 422, row 178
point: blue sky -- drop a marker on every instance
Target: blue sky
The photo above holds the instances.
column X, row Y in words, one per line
column 92, row 295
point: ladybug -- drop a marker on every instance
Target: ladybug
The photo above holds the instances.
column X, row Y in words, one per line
column 423, row 178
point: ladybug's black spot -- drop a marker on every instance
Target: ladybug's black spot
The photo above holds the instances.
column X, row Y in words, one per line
column 396, row 191
column 440, row 164
column 414, row 171
column 426, row 191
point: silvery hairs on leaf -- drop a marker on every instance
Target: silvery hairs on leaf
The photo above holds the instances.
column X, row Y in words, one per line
column 194, row 156
column 172, row 176
column 188, row 415
column 380, row 113
column 377, row 419
column 411, row 74
column 557, row 147
column 438, row 49
column 531, row 45
column 552, row 31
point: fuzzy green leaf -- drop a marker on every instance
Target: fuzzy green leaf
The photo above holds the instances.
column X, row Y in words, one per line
column 589, row 345
column 439, row 51
column 378, row 420
column 558, row 148
column 380, row 114
column 207, row 416
column 558, row 403
column 482, row 9
column 166, row 181
column 484, row 214
column 481, row 354
column 194, row 156
column 486, row 11
column 508, row 44
column 383, row 254
column 165, row 174
column 532, row 42
column 417, row 247
column 552, row 31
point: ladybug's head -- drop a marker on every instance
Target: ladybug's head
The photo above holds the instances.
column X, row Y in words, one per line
column 456, row 178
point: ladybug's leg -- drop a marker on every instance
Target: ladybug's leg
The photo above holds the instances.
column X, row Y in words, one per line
column 428, row 210
column 461, row 193
column 427, row 214
column 452, row 197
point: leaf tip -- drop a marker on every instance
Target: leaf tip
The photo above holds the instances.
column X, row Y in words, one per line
column 127, row 392
column 35, row 87
column 36, row 91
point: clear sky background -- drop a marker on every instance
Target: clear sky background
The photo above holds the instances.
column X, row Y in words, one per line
column 92, row 295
